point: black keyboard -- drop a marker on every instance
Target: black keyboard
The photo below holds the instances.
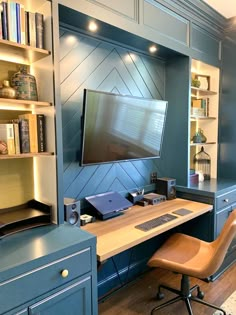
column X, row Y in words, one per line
column 148, row 225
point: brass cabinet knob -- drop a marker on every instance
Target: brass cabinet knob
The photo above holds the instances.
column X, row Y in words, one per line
column 65, row 273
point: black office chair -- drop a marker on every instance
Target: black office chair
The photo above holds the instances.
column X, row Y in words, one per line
column 190, row 256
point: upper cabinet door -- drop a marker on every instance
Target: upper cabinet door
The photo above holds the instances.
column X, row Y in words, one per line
column 128, row 9
column 205, row 46
column 166, row 22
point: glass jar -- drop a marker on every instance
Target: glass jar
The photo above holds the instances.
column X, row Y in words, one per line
column 6, row 91
column 25, row 85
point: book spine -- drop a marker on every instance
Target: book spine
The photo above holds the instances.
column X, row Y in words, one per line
column 22, row 24
column 32, row 29
column 39, row 30
column 1, row 12
column 7, row 135
column 12, row 31
column 18, row 23
column 5, row 32
column 32, row 118
column 41, row 133
column 24, row 136
column 27, row 28
column 17, row 137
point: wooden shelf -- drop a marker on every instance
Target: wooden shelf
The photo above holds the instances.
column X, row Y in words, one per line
column 22, row 104
column 201, row 143
column 202, row 118
column 24, row 155
column 30, row 54
column 202, row 92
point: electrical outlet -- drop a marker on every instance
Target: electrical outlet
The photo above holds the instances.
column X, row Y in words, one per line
column 153, row 177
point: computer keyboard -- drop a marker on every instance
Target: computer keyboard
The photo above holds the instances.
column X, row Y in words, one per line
column 148, row 225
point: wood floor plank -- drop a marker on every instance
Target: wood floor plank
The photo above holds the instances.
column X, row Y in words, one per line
column 138, row 297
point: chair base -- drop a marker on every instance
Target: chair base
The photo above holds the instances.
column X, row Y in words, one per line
column 184, row 294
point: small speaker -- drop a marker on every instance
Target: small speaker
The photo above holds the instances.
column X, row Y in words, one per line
column 166, row 187
column 72, row 211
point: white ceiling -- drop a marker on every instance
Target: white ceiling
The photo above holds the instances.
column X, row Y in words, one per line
column 225, row 7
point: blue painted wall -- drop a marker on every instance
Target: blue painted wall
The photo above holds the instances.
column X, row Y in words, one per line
column 90, row 63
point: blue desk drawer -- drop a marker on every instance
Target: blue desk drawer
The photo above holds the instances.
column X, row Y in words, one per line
column 27, row 286
column 225, row 200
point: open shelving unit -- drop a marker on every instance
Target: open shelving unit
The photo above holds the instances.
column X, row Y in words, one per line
column 206, row 116
column 30, row 176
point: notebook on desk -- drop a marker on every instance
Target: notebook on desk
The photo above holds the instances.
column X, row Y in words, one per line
column 109, row 204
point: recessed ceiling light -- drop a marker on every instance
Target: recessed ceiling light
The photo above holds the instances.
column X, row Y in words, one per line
column 93, row 26
column 152, row 49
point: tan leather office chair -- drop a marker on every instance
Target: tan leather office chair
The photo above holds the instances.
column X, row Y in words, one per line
column 190, row 256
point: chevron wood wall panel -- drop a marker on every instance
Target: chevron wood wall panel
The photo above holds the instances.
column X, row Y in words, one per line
column 87, row 62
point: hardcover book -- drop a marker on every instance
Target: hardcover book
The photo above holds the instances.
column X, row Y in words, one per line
column 31, row 29
column 4, row 15
column 18, row 24
column 7, row 135
column 1, row 10
column 16, row 137
column 39, row 30
column 22, row 23
column 24, row 136
column 32, row 119
column 41, row 133
column 11, row 14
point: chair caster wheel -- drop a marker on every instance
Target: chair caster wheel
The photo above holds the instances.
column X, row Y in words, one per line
column 160, row 296
column 200, row 294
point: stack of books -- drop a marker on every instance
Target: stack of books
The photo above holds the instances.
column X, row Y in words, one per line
column 24, row 135
column 21, row 26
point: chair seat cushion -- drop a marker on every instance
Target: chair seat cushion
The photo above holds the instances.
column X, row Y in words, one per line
column 186, row 255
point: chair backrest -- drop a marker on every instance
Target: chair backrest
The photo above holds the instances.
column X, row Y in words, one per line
column 222, row 243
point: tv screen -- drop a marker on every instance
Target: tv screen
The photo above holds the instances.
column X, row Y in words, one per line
column 119, row 127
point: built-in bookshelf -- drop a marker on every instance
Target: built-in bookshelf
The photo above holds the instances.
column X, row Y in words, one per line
column 204, row 112
column 30, row 176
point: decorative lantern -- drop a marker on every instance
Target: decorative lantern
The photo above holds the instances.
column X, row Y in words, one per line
column 202, row 162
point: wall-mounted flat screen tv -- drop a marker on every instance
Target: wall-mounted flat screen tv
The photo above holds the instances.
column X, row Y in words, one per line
column 120, row 127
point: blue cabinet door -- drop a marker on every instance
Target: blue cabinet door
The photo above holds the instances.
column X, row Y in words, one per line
column 205, row 45
column 165, row 24
column 73, row 300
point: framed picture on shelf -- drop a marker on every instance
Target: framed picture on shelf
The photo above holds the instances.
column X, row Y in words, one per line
column 204, row 81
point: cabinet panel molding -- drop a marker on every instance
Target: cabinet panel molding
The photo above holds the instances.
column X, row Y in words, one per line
column 205, row 43
column 128, row 9
column 166, row 22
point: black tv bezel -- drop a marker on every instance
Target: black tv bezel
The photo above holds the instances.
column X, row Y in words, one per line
column 83, row 129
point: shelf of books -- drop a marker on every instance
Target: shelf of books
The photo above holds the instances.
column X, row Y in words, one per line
column 27, row 111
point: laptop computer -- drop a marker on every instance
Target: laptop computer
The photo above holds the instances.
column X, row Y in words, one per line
column 109, row 204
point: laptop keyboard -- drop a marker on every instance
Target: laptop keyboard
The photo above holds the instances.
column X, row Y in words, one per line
column 151, row 224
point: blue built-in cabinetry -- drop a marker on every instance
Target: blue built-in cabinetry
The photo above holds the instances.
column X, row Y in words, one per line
column 49, row 270
column 56, row 265
column 116, row 59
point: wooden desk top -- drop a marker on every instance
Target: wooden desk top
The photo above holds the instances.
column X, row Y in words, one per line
column 119, row 233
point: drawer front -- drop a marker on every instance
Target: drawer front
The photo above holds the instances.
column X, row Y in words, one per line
column 225, row 200
column 221, row 217
column 34, row 283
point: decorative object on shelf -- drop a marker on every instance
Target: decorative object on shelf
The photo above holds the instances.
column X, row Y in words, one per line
column 196, row 83
column 199, row 137
column 204, row 81
column 25, row 85
column 6, row 91
column 202, row 162
column 3, row 147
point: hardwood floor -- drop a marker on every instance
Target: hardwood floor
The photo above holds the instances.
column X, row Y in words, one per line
column 138, row 297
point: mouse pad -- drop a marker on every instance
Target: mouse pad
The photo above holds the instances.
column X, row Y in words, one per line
column 182, row 211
